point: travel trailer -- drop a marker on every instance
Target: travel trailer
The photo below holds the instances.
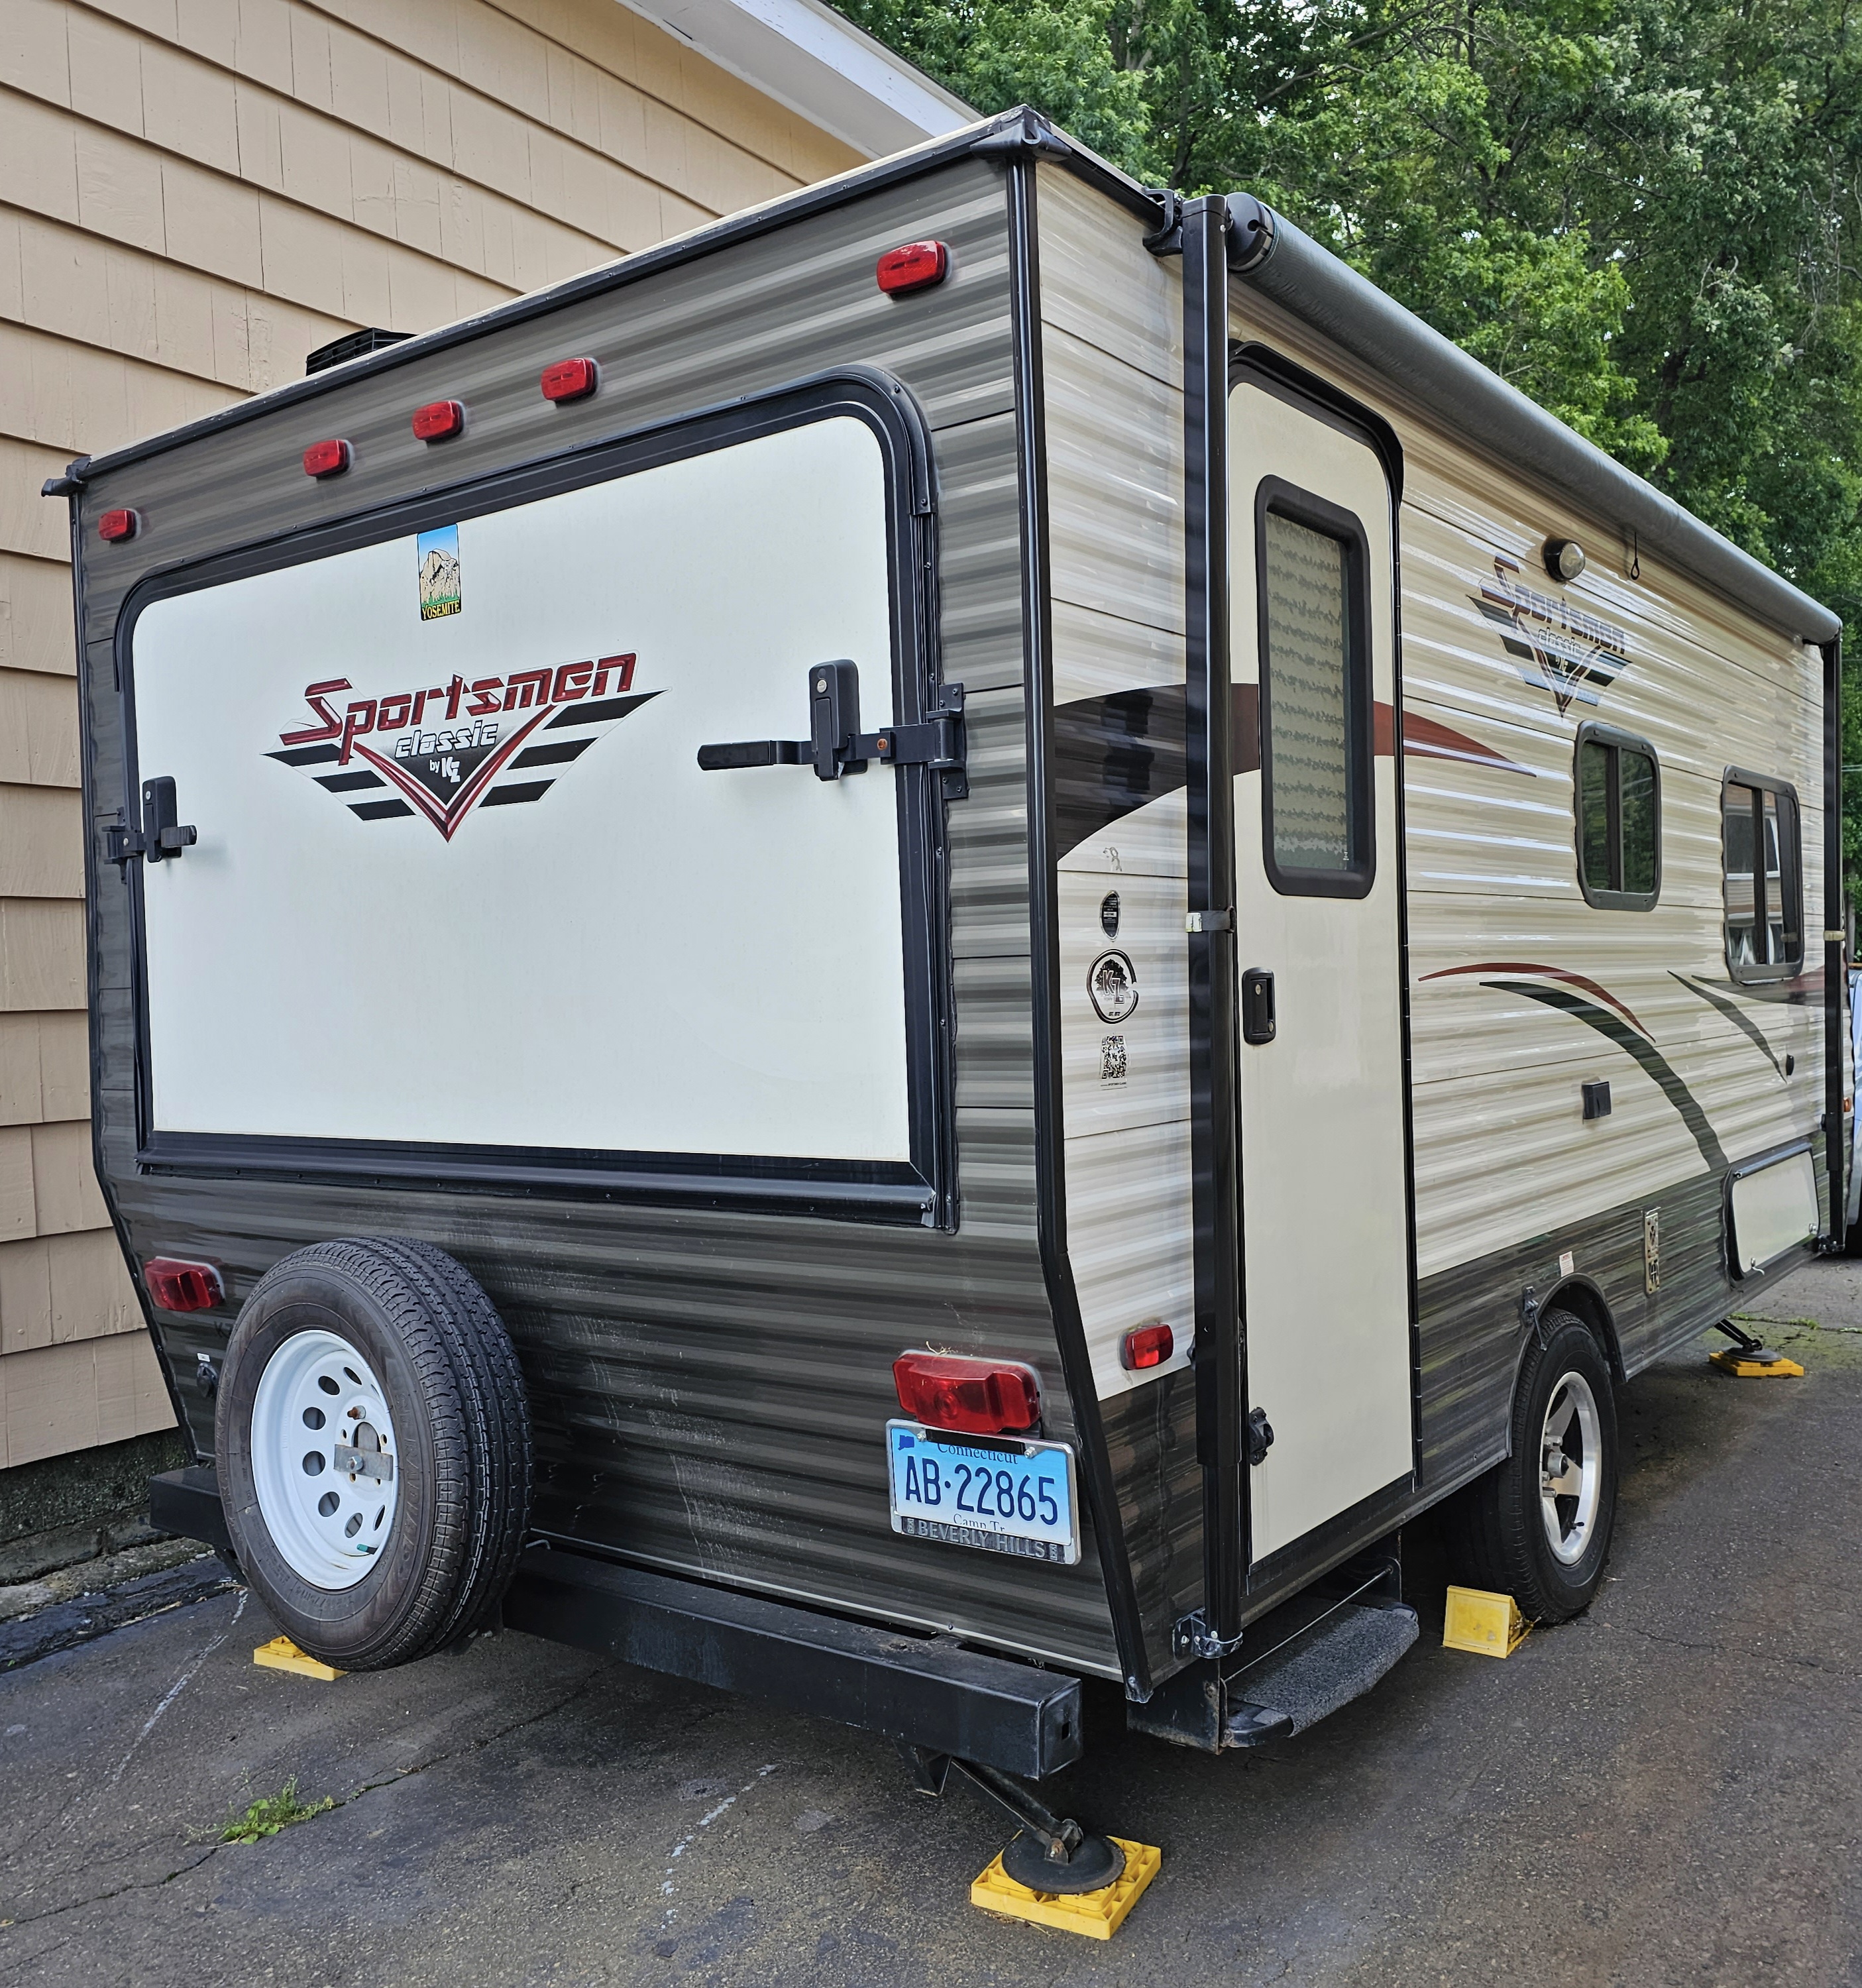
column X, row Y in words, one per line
column 931, row 945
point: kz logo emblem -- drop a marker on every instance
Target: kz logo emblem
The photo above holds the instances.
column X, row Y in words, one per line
column 443, row 751
column 1559, row 647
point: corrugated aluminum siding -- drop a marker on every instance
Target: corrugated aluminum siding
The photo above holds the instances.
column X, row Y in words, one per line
column 708, row 1390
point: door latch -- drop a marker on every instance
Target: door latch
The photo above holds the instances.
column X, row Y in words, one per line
column 163, row 835
column 1260, row 1436
column 1257, row 1005
column 836, row 744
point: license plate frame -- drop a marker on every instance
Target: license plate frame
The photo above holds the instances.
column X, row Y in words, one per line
column 951, row 1516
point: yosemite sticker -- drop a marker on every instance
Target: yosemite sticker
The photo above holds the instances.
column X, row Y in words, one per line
column 449, row 748
column 437, row 553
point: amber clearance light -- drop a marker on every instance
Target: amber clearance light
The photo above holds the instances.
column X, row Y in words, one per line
column 978, row 1397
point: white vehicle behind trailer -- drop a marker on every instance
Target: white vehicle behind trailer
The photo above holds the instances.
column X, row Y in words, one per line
column 931, row 945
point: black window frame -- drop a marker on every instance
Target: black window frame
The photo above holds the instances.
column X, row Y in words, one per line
column 1744, row 971
column 1605, row 898
column 1277, row 497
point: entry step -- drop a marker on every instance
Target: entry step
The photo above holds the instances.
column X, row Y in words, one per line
column 1325, row 1666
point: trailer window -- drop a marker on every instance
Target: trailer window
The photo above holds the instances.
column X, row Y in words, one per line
column 1762, row 854
column 1619, row 820
column 1315, row 701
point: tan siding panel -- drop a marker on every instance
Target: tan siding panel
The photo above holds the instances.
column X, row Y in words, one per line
column 42, row 843
column 25, row 1294
column 92, row 1296
column 55, row 1399
column 39, row 730
column 64, row 1192
column 36, row 631
column 42, row 953
column 17, row 1214
column 45, row 1067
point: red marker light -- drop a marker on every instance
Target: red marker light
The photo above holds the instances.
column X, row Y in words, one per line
column 1146, row 1346
column 977, row 1397
column 438, row 420
column 570, row 380
column 115, row 526
column 178, row 1286
column 328, row 458
column 914, row 267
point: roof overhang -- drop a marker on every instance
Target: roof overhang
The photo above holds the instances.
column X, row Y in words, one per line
column 817, row 63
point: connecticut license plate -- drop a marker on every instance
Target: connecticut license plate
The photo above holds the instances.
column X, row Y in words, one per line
column 997, row 1492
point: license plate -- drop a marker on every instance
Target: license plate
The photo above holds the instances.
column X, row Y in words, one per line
column 996, row 1493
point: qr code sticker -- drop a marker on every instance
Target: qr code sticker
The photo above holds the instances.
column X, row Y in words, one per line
column 1111, row 1059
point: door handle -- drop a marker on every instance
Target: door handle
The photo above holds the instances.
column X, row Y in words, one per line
column 1257, row 1005
column 836, row 744
column 163, row 836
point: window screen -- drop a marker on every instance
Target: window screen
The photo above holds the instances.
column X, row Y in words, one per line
column 1619, row 820
column 1314, row 692
column 1764, row 936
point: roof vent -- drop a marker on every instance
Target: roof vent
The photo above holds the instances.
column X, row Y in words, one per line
column 353, row 345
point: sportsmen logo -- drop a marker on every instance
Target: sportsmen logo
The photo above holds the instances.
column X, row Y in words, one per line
column 443, row 751
column 1559, row 648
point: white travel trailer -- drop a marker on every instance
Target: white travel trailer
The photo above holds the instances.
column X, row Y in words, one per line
column 931, row 945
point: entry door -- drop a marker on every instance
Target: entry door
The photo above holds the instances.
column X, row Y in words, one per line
column 1324, row 1187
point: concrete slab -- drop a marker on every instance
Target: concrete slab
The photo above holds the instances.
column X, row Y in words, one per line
column 1669, row 1791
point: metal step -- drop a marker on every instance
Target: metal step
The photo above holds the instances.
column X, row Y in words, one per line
column 1327, row 1665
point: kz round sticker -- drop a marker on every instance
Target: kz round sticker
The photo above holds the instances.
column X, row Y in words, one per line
column 1114, row 986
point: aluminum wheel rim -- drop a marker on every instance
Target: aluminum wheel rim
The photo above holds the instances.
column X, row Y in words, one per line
column 317, row 1394
column 1570, row 1468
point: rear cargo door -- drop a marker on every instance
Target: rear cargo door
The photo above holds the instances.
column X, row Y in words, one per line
column 462, row 890
column 1318, row 877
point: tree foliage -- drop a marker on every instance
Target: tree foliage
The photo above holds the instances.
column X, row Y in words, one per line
column 1636, row 211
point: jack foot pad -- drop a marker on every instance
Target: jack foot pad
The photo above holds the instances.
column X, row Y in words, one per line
column 1098, row 1915
column 1096, row 1863
column 1754, row 1363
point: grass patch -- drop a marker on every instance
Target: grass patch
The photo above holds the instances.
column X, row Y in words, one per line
column 267, row 1816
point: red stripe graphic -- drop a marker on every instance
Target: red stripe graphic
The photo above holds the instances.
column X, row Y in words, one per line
column 1550, row 973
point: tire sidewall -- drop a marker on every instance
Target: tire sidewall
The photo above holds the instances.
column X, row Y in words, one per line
column 340, row 1622
column 1570, row 1348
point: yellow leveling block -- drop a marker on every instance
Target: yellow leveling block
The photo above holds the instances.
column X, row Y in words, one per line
column 281, row 1654
column 1490, row 1625
column 1759, row 1364
column 1098, row 1915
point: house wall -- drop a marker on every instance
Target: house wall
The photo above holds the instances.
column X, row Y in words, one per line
column 194, row 193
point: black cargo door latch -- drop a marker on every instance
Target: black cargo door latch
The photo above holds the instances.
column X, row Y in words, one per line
column 1257, row 1020
column 836, row 744
column 162, row 835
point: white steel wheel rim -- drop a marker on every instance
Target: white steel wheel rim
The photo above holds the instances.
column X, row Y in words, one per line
column 1570, row 1468
column 317, row 1393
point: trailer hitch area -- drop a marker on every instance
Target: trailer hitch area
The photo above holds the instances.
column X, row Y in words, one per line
column 836, row 744
column 163, row 836
column 1052, row 1854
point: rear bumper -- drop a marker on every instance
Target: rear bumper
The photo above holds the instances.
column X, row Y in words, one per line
column 926, row 1691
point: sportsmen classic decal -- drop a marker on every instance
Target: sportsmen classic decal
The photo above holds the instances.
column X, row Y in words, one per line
column 442, row 750
column 1559, row 647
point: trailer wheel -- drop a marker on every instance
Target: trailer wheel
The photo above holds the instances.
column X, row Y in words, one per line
column 374, row 1446
column 1537, row 1526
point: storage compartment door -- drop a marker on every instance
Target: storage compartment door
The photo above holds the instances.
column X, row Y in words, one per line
column 460, row 882
column 1770, row 1209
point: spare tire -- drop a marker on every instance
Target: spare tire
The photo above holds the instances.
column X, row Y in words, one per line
column 373, row 1450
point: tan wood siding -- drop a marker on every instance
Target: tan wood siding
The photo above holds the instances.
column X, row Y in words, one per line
column 194, row 193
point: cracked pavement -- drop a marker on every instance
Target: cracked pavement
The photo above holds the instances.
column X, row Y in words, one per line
column 1666, row 1791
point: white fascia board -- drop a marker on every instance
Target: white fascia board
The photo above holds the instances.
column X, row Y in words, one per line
column 817, row 63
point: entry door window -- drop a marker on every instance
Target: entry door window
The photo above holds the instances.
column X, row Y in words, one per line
column 1764, row 937
column 1315, row 717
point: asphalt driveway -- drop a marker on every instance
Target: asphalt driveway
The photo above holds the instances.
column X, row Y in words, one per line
column 1668, row 1790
